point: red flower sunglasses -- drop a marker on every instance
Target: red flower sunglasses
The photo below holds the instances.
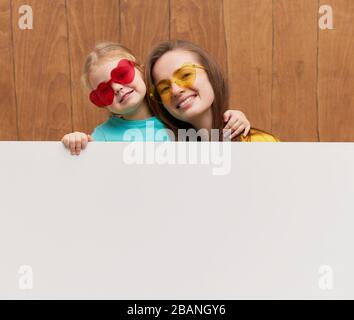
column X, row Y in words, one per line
column 124, row 73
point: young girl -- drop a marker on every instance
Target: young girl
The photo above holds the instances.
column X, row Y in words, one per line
column 189, row 90
column 115, row 79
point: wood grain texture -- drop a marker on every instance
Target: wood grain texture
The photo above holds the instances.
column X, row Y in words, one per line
column 202, row 22
column 144, row 24
column 294, row 107
column 89, row 22
column 336, row 75
column 288, row 76
column 8, row 118
column 248, row 26
column 42, row 72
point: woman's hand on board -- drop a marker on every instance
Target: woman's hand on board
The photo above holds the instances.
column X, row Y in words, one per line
column 236, row 122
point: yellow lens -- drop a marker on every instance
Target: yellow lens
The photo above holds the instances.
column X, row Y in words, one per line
column 184, row 77
column 163, row 87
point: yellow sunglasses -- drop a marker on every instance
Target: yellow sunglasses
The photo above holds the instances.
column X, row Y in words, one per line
column 184, row 77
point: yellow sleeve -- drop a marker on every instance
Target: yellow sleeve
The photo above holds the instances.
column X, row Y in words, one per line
column 256, row 135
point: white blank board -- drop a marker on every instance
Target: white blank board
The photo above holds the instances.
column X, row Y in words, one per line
column 279, row 225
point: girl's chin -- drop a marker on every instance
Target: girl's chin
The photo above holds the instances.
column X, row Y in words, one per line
column 123, row 111
column 126, row 108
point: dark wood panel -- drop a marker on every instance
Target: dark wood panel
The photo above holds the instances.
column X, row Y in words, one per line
column 144, row 24
column 8, row 118
column 200, row 21
column 248, row 25
column 89, row 22
column 42, row 71
column 294, row 107
column 336, row 75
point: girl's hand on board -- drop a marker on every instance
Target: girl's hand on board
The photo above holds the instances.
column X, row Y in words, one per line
column 237, row 123
column 76, row 141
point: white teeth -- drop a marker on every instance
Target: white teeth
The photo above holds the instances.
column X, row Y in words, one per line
column 186, row 101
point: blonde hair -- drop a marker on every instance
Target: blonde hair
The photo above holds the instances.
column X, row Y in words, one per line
column 105, row 51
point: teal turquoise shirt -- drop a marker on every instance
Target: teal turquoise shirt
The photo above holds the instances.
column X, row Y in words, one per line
column 118, row 129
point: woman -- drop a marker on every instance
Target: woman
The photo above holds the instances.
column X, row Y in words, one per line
column 188, row 90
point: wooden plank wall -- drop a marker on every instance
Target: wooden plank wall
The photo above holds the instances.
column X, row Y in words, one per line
column 288, row 76
column 8, row 104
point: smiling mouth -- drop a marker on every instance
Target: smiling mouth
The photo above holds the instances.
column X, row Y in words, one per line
column 125, row 96
column 186, row 102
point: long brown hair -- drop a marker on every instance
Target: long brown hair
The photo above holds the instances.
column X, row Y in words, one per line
column 215, row 75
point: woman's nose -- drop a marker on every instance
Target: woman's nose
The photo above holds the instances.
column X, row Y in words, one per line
column 176, row 90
